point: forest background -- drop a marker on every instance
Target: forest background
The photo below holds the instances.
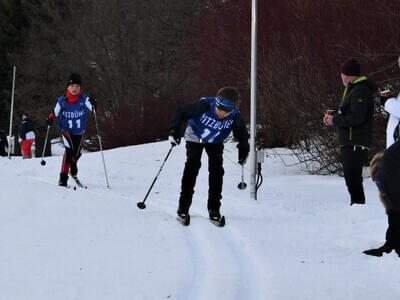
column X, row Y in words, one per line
column 142, row 59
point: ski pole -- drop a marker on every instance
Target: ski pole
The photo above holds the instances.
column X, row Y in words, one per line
column 141, row 205
column 242, row 185
column 101, row 147
column 43, row 162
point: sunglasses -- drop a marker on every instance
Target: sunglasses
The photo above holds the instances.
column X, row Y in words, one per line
column 224, row 104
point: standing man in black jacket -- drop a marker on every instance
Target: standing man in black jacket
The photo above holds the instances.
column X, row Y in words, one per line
column 354, row 123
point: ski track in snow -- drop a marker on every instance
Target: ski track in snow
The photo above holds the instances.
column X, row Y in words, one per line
column 217, row 258
column 301, row 240
column 212, row 247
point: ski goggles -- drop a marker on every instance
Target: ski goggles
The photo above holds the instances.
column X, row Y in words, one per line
column 224, row 104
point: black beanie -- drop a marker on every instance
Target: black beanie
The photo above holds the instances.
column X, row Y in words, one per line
column 351, row 67
column 74, row 78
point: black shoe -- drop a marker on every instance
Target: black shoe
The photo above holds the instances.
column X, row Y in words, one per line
column 357, row 198
column 397, row 251
column 214, row 215
column 63, row 179
column 354, row 202
column 379, row 251
column 182, row 213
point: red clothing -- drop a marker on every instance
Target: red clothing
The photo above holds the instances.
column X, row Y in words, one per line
column 26, row 146
column 72, row 99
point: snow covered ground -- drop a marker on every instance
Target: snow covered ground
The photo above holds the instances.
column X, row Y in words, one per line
column 300, row 240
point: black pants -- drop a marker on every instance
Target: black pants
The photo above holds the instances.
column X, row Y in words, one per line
column 391, row 175
column 393, row 231
column 353, row 160
column 73, row 148
column 192, row 167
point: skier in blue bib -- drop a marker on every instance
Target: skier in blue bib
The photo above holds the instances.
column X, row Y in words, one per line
column 210, row 122
column 72, row 110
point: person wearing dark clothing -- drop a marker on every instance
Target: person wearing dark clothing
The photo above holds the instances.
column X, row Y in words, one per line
column 354, row 123
column 385, row 171
column 26, row 136
column 210, row 121
column 72, row 109
column 3, row 143
column 390, row 178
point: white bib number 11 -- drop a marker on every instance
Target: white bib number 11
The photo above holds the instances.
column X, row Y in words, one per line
column 78, row 123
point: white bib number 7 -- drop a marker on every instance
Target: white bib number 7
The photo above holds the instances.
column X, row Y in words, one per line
column 206, row 133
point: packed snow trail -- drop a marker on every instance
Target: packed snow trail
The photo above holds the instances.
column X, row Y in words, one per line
column 301, row 239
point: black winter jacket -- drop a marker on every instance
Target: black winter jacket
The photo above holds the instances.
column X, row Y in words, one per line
column 25, row 127
column 354, row 120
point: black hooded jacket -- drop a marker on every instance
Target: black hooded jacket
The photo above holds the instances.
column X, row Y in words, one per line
column 25, row 127
column 354, row 121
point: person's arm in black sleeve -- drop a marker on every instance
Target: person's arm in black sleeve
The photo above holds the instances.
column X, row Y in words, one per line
column 358, row 113
column 240, row 133
column 30, row 126
column 22, row 131
column 188, row 112
column 183, row 114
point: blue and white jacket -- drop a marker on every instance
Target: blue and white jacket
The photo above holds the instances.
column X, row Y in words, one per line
column 204, row 126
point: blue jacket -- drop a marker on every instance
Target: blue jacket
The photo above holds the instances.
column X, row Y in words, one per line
column 207, row 126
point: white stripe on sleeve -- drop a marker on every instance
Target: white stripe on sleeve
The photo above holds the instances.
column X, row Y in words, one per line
column 57, row 109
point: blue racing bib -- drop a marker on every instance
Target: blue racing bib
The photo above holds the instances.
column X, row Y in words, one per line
column 208, row 127
column 73, row 117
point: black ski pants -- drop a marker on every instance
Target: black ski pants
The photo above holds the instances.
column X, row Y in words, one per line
column 393, row 231
column 192, row 167
column 353, row 159
column 391, row 176
column 73, row 150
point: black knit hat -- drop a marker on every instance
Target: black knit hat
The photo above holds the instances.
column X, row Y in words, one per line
column 74, row 78
column 351, row 67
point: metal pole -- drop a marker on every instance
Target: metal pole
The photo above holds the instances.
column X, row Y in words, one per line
column 12, row 111
column 101, row 147
column 253, row 95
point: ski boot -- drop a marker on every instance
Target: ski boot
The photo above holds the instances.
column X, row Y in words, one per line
column 183, row 216
column 73, row 169
column 216, row 218
column 63, row 179
column 214, row 214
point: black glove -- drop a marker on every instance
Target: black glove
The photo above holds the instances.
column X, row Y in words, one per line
column 93, row 101
column 49, row 120
column 243, row 154
column 174, row 137
column 378, row 251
